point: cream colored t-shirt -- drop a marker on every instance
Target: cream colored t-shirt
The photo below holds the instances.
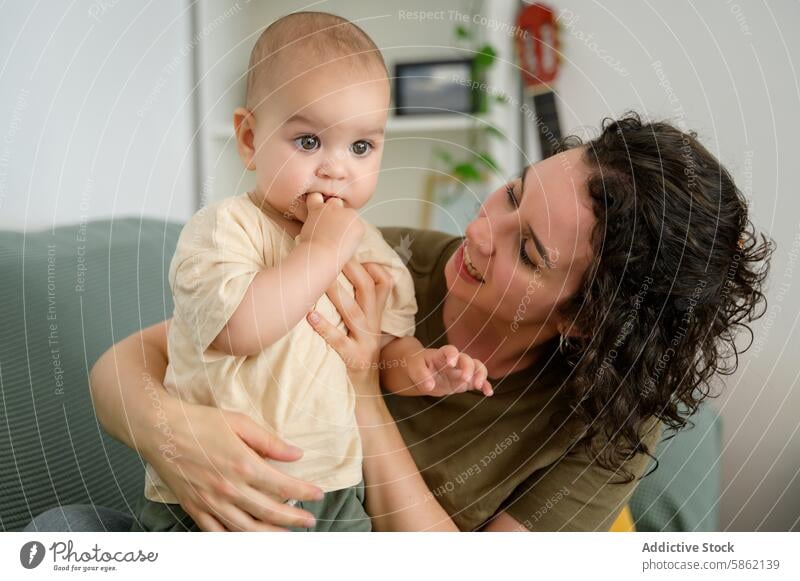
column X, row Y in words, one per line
column 297, row 387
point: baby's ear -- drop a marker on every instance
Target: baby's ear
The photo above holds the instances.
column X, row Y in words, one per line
column 244, row 126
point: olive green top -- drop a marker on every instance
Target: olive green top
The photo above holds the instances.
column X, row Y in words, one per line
column 484, row 455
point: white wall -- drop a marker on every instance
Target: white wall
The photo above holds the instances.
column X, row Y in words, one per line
column 94, row 117
column 732, row 71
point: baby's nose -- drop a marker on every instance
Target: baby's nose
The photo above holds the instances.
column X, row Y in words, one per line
column 332, row 169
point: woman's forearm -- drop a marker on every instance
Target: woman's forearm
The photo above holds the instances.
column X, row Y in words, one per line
column 397, row 498
column 117, row 379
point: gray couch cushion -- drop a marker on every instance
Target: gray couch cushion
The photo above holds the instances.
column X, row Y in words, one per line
column 683, row 493
column 58, row 290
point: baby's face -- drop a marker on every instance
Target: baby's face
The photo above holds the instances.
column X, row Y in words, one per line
column 322, row 132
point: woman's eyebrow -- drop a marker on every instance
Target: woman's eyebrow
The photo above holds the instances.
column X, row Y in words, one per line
column 540, row 248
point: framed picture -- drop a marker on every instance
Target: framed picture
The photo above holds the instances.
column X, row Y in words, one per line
column 434, row 88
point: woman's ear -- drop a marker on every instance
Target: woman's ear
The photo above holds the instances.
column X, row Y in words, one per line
column 244, row 126
column 568, row 330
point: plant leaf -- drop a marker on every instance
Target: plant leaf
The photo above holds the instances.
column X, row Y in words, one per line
column 485, row 57
column 487, row 160
column 462, row 32
column 467, row 172
column 444, row 155
column 494, row 132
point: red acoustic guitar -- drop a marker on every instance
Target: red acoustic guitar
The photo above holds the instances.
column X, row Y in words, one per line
column 537, row 48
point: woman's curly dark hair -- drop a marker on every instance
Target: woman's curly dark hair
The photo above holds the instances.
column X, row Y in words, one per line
column 677, row 273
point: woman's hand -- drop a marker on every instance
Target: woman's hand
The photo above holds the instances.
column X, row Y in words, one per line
column 211, row 459
column 398, row 498
column 360, row 346
column 214, row 465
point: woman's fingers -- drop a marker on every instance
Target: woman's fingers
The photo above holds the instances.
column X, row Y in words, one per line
column 371, row 287
column 351, row 313
column 235, row 519
column 219, row 458
column 363, row 285
column 208, row 523
column 261, row 441
column 382, row 284
column 269, row 510
column 215, row 514
column 271, row 481
column 333, row 336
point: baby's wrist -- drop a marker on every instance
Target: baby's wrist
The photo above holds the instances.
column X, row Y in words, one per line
column 322, row 253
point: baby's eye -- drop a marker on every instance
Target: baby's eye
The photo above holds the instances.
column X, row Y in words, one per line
column 307, row 142
column 361, row 148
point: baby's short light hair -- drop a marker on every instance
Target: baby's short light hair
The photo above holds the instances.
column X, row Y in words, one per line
column 306, row 37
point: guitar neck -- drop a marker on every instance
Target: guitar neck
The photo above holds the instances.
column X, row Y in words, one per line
column 546, row 120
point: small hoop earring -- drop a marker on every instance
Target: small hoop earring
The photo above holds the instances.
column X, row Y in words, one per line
column 563, row 343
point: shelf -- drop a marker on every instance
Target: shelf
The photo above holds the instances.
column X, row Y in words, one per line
column 425, row 123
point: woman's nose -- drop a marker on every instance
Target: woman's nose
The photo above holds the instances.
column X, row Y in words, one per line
column 479, row 235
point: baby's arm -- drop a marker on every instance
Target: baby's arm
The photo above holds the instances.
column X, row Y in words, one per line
column 279, row 297
column 407, row 368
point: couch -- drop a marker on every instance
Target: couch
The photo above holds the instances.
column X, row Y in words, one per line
column 68, row 293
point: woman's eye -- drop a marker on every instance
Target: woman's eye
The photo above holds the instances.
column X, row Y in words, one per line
column 361, row 148
column 512, row 199
column 307, row 142
column 523, row 255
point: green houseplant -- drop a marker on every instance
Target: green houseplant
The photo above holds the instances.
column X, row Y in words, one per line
column 475, row 166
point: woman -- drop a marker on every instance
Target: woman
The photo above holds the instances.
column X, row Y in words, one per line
column 603, row 290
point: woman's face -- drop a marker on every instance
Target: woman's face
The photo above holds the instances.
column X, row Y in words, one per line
column 528, row 248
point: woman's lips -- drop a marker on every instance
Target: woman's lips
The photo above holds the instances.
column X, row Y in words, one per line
column 461, row 267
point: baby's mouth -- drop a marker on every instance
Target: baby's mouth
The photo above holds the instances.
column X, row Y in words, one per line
column 325, row 197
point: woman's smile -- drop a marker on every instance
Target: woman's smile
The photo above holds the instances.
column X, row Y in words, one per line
column 466, row 270
column 471, row 268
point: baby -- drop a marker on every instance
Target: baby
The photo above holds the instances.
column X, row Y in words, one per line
column 247, row 270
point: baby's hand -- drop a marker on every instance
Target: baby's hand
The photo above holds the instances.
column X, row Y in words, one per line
column 444, row 371
column 332, row 225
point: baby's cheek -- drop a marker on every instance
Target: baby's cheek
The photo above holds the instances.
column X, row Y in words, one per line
column 365, row 187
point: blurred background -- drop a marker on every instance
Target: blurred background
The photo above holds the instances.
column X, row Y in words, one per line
column 113, row 108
